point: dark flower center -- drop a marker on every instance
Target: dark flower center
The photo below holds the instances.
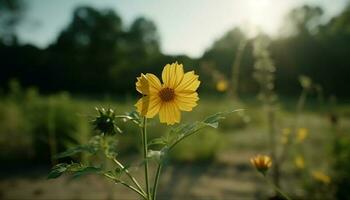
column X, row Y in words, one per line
column 167, row 94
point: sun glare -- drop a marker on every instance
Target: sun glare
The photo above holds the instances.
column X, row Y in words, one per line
column 261, row 15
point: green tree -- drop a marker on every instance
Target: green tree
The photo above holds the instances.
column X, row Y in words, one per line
column 86, row 50
column 303, row 20
column 221, row 56
column 11, row 13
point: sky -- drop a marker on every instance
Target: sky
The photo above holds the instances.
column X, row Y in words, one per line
column 185, row 26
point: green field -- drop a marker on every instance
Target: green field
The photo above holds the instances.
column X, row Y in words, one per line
column 173, row 100
column 212, row 164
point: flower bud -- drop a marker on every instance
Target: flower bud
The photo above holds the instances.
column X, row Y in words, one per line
column 105, row 122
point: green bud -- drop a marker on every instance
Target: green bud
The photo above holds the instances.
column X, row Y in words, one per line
column 105, row 122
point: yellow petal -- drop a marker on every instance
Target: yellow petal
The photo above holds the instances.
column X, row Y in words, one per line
column 172, row 75
column 252, row 161
column 169, row 113
column 186, row 101
column 148, row 106
column 189, row 82
column 148, row 84
column 154, row 83
column 142, row 85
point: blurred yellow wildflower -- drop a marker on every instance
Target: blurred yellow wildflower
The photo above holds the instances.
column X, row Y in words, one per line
column 285, row 135
column 299, row 162
column 222, row 85
column 176, row 93
column 302, row 134
column 321, row 177
column 261, row 162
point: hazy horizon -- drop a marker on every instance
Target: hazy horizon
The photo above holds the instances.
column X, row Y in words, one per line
column 184, row 27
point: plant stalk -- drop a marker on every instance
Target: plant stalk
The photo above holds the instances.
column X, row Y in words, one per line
column 156, row 181
column 236, row 69
column 298, row 112
column 51, row 126
column 145, row 152
column 272, row 132
column 277, row 189
column 129, row 175
column 128, row 186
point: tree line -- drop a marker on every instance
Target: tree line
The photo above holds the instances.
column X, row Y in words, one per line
column 96, row 54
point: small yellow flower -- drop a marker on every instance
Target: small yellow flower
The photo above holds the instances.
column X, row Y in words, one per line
column 176, row 93
column 285, row 135
column 321, row 177
column 261, row 162
column 299, row 162
column 302, row 134
column 221, row 85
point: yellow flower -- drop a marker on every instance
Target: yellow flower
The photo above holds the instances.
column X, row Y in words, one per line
column 299, row 162
column 285, row 135
column 176, row 93
column 221, row 85
column 261, row 162
column 302, row 134
column 320, row 176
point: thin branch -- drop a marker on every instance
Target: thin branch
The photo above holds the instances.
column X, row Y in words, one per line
column 277, row 189
column 129, row 175
column 126, row 185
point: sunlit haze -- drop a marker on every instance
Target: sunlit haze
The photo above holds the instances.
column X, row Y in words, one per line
column 185, row 27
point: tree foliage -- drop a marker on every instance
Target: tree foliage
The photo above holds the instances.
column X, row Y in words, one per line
column 97, row 53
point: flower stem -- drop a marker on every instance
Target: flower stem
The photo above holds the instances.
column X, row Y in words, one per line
column 132, row 188
column 145, row 151
column 156, row 180
column 127, row 185
column 129, row 175
column 277, row 189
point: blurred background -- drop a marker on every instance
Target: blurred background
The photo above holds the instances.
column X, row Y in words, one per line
column 61, row 59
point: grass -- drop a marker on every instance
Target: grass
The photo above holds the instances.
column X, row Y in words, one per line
column 27, row 121
column 25, row 131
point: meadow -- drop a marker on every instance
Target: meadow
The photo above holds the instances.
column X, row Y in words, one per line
column 213, row 164
column 112, row 100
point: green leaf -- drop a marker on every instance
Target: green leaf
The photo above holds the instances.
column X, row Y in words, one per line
column 158, row 141
column 86, row 170
column 57, row 170
column 110, row 147
column 77, row 170
column 132, row 116
column 92, row 147
column 72, row 151
column 213, row 120
column 183, row 131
